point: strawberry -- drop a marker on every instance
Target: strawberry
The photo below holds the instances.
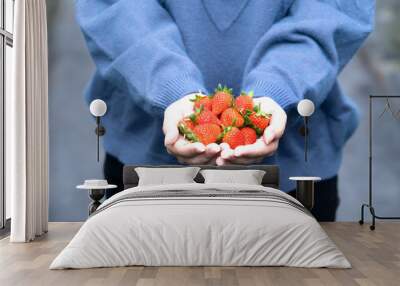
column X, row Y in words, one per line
column 222, row 99
column 233, row 137
column 201, row 100
column 207, row 133
column 231, row 117
column 249, row 135
column 257, row 119
column 244, row 102
column 203, row 116
column 187, row 122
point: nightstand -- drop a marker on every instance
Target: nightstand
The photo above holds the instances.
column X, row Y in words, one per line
column 97, row 190
column 305, row 190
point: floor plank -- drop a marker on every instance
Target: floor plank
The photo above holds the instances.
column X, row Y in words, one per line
column 375, row 257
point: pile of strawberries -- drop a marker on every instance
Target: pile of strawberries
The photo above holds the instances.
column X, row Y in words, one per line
column 221, row 117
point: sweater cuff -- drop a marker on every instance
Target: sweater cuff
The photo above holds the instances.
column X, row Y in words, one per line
column 177, row 88
column 283, row 95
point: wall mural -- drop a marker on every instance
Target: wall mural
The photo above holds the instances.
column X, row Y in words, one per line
column 374, row 69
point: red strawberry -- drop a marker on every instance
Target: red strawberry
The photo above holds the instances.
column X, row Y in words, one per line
column 188, row 123
column 203, row 116
column 257, row 119
column 244, row 102
column 207, row 133
column 222, row 99
column 233, row 137
column 231, row 117
column 249, row 135
column 204, row 101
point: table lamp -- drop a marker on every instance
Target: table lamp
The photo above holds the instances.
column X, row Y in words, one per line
column 98, row 108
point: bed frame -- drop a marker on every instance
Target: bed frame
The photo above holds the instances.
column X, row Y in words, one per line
column 270, row 179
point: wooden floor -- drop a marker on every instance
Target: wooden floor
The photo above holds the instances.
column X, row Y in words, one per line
column 375, row 257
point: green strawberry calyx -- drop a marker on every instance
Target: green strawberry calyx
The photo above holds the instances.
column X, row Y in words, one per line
column 199, row 96
column 249, row 123
column 225, row 130
column 224, row 89
column 259, row 112
column 249, row 94
column 187, row 133
column 196, row 113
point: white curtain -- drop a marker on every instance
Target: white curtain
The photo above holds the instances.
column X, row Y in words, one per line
column 27, row 124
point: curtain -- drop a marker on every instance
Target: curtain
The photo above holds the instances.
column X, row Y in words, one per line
column 27, row 122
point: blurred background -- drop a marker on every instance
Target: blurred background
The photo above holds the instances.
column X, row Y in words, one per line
column 374, row 70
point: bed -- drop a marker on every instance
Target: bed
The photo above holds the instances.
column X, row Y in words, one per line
column 197, row 224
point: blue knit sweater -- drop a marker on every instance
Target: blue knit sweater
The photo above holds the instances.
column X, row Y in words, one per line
column 149, row 53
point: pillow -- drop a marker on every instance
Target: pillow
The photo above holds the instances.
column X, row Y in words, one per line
column 164, row 176
column 248, row 177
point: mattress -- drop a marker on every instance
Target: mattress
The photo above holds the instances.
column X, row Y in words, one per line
column 201, row 225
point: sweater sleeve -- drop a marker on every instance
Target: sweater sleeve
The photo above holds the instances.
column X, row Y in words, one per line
column 137, row 46
column 303, row 53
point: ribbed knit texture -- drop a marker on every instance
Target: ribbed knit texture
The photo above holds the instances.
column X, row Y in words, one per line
column 149, row 53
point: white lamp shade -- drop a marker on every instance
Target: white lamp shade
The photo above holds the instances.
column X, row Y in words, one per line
column 98, row 107
column 305, row 107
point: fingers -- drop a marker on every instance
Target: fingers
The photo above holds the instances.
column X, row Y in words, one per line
column 221, row 162
column 277, row 125
column 226, row 152
column 183, row 148
column 248, row 154
column 172, row 115
column 208, row 157
column 171, row 120
column 258, row 149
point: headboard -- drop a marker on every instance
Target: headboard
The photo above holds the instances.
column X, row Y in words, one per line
column 271, row 177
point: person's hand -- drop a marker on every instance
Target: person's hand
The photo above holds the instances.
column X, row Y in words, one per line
column 265, row 145
column 183, row 150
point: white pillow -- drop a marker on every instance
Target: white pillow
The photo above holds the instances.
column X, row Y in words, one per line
column 248, row 177
column 165, row 176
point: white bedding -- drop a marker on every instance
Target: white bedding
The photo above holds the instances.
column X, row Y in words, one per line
column 185, row 230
